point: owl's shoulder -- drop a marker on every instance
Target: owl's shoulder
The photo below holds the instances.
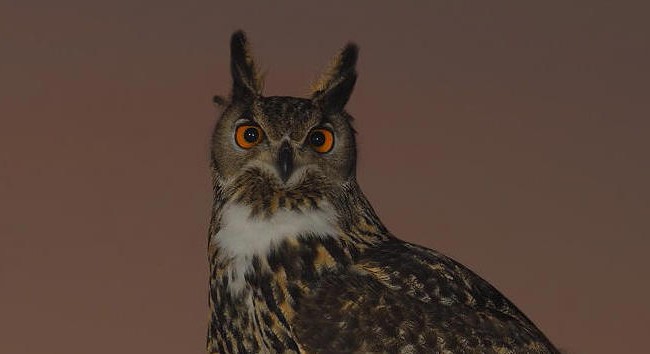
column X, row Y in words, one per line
column 400, row 297
column 428, row 276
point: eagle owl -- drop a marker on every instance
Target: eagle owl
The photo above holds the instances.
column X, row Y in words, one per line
column 300, row 262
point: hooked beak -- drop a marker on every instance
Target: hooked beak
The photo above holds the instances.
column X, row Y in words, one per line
column 285, row 161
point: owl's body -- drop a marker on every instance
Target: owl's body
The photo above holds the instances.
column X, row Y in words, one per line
column 299, row 260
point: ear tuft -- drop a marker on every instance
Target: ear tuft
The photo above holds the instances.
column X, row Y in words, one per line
column 333, row 89
column 246, row 80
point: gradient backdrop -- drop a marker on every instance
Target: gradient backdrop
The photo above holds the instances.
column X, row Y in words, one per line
column 511, row 136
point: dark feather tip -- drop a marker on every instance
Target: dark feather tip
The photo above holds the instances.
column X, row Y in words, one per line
column 238, row 41
column 349, row 57
column 238, row 48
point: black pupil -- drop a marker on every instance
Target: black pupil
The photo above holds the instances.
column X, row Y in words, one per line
column 317, row 138
column 251, row 135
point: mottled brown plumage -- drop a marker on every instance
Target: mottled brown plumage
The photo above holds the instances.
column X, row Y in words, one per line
column 300, row 262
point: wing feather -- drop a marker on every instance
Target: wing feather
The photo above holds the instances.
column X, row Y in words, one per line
column 402, row 297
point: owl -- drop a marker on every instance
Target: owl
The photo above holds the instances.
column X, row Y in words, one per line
column 299, row 260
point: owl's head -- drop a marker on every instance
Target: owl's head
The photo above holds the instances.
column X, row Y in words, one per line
column 279, row 143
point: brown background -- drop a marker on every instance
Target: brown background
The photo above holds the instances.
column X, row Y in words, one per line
column 511, row 136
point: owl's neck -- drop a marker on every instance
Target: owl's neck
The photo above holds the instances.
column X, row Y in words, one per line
column 245, row 235
column 343, row 212
column 263, row 262
column 244, row 241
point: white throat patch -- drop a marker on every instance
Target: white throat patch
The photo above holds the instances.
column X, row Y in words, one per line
column 242, row 237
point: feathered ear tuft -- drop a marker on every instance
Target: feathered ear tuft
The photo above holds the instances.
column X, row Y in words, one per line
column 245, row 77
column 333, row 89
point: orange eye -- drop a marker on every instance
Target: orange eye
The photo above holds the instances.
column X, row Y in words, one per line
column 248, row 136
column 322, row 140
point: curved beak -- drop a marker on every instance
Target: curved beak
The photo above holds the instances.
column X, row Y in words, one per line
column 285, row 161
